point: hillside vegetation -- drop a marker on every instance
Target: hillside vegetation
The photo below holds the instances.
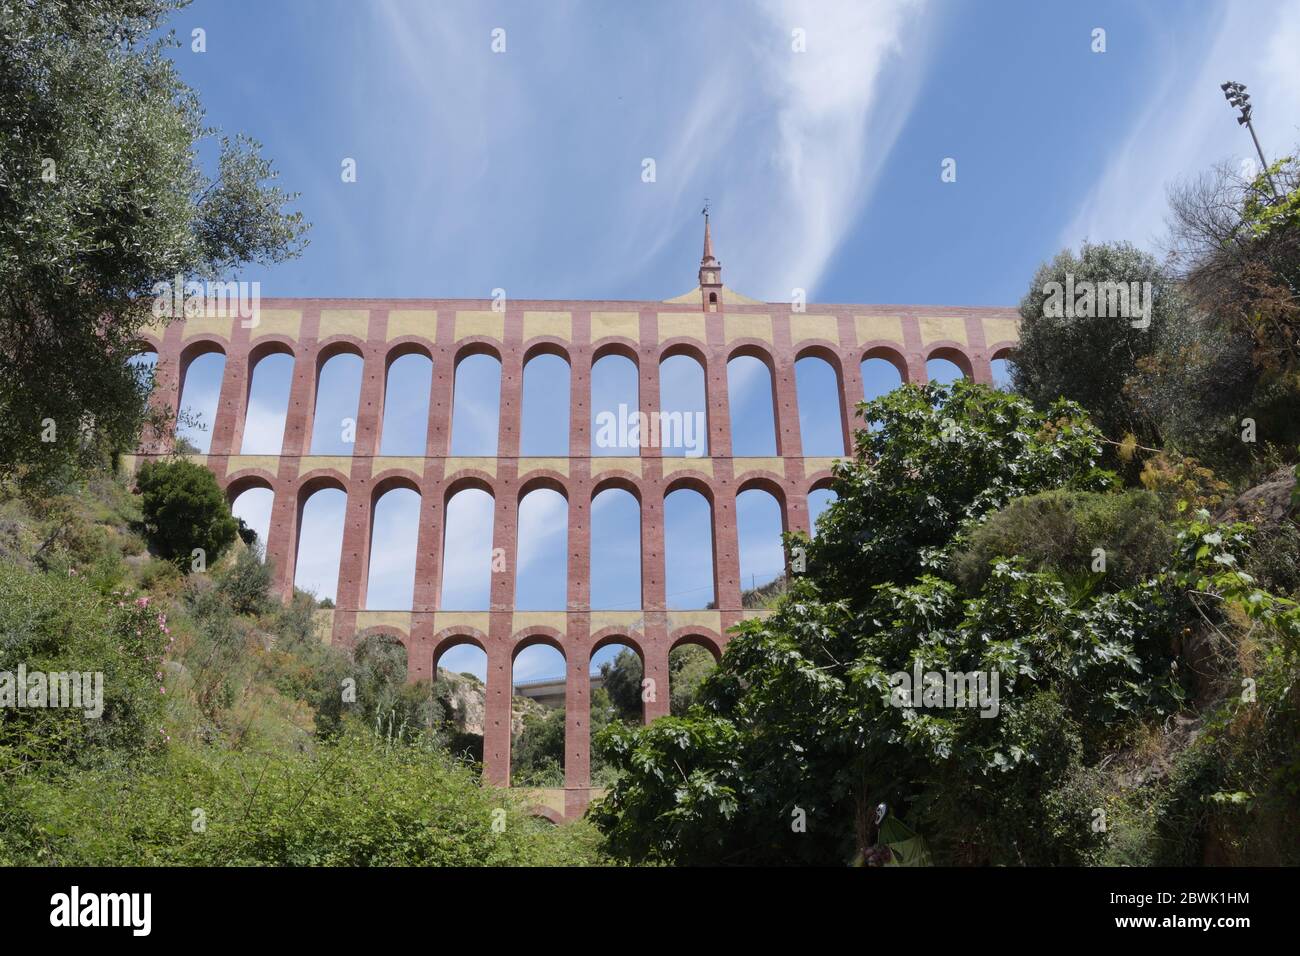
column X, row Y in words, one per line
column 225, row 736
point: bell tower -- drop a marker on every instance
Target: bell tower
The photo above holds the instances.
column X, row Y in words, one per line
column 710, row 271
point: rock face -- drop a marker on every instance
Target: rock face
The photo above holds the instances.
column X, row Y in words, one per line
column 466, row 698
column 1267, row 504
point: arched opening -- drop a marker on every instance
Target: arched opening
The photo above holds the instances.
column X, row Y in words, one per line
column 1000, row 368
column 821, row 412
column 541, row 558
column 467, row 551
column 460, row 691
column 545, row 419
column 880, row 376
column 381, row 669
column 200, row 394
column 751, row 401
column 537, row 717
column 320, row 543
column 253, row 507
column 819, row 499
column 683, row 419
column 144, row 364
column 338, row 396
column 615, row 551
column 688, row 550
column 615, row 404
column 616, row 698
column 690, row 662
column 406, row 405
column 393, row 534
column 268, row 405
column 759, row 525
column 942, row 368
column 476, row 406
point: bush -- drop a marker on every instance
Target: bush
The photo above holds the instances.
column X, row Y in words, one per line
column 354, row 802
column 246, row 583
column 184, row 510
column 57, row 624
column 1059, row 530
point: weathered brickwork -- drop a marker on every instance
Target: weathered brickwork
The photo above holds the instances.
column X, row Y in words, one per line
column 446, row 331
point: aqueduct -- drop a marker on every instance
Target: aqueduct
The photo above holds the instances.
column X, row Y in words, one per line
column 711, row 324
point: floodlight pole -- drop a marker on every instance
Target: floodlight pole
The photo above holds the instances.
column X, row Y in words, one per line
column 1236, row 95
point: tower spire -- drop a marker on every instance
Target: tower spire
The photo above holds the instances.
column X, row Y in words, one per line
column 710, row 270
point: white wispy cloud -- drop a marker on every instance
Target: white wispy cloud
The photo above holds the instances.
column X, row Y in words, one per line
column 1186, row 126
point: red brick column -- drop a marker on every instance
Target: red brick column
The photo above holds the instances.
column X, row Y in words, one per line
column 726, row 543
column 655, row 668
column 914, row 350
column 977, row 351
column 496, row 716
column 282, row 536
column 577, row 713
column 789, row 441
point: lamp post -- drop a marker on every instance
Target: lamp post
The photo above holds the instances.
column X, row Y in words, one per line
column 1237, row 97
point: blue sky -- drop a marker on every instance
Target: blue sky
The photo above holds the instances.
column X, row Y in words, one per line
column 523, row 170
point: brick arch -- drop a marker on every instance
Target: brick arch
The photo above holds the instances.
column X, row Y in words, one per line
column 458, row 481
column 338, row 345
column 761, row 482
column 826, row 351
column 616, row 345
column 685, row 345
column 197, row 348
column 693, row 481
column 455, row 636
column 890, row 354
column 699, row 636
column 270, row 345
column 404, row 346
column 609, row 636
column 954, row 353
column 752, row 348
column 246, row 478
column 536, row 478
column 623, row 480
column 318, row 478
column 536, row 634
column 1003, row 350
column 391, row 478
column 547, row 345
column 146, row 342
column 544, row 812
column 819, row 480
column 476, row 345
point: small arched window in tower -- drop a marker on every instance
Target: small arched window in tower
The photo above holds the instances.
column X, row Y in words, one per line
column 713, row 302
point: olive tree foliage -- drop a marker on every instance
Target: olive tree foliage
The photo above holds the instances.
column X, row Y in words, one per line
column 103, row 197
column 1069, row 349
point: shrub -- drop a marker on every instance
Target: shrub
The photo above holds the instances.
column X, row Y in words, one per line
column 1059, row 531
column 184, row 509
column 246, row 583
column 59, row 623
column 354, row 802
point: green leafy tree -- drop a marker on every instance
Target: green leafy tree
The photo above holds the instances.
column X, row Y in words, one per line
column 1088, row 358
column 623, row 683
column 184, row 509
column 795, row 739
column 102, row 198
